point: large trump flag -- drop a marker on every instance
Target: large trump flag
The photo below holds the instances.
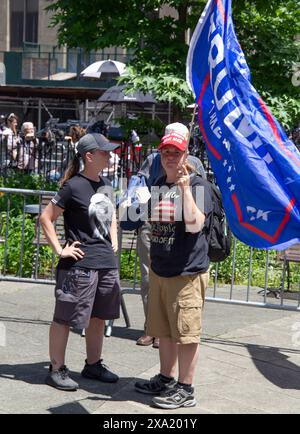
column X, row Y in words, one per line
column 256, row 166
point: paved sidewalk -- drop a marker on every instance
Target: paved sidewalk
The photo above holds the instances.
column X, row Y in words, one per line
column 249, row 362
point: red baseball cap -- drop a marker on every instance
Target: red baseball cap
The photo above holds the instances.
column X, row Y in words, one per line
column 174, row 139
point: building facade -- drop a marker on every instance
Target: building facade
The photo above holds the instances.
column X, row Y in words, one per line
column 25, row 22
column 36, row 73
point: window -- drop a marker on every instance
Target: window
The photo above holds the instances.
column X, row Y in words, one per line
column 24, row 15
column 31, row 21
column 16, row 23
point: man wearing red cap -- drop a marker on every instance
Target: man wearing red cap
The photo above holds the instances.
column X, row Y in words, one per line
column 152, row 170
column 180, row 214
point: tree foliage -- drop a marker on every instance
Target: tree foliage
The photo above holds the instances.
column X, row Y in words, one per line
column 268, row 34
column 266, row 30
column 132, row 24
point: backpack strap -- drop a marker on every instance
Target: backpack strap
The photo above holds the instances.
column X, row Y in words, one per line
column 155, row 171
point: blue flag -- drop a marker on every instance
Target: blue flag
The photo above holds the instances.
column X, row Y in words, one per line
column 256, row 166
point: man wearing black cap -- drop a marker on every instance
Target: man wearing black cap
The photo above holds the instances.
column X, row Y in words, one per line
column 87, row 285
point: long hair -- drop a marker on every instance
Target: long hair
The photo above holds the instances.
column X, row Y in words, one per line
column 190, row 167
column 76, row 132
column 72, row 169
column 9, row 120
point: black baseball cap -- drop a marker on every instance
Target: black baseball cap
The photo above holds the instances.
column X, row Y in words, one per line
column 93, row 141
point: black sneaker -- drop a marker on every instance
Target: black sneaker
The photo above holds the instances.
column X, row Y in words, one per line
column 98, row 371
column 175, row 398
column 60, row 379
column 154, row 386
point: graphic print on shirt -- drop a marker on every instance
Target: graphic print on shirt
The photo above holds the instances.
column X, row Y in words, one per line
column 166, row 210
column 101, row 211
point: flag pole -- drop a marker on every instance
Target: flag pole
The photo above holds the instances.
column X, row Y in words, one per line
column 192, row 122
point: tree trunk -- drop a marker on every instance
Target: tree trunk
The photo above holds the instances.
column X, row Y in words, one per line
column 182, row 19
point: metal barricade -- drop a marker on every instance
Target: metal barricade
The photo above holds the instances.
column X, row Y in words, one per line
column 24, row 253
column 46, row 159
column 248, row 277
column 270, row 292
column 266, row 294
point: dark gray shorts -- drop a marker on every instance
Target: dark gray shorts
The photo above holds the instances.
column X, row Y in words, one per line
column 82, row 294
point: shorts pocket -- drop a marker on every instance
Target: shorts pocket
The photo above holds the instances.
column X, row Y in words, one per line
column 71, row 286
column 189, row 317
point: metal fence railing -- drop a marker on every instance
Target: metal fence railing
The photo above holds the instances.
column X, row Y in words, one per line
column 49, row 154
column 50, row 159
column 24, row 254
column 248, row 277
column 255, row 278
column 44, row 62
column 47, row 160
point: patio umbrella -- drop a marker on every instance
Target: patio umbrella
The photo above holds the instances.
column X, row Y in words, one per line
column 96, row 69
column 116, row 94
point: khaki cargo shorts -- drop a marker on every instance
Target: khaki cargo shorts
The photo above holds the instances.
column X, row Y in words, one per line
column 175, row 307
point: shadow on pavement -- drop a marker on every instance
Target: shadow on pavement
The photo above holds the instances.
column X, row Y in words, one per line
column 126, row 333
column 35, row 374
column 117, row 331
column 70, row 408
column 24, row 320
column 269, row 361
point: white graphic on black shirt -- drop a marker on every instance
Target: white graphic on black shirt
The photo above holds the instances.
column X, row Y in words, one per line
column 101, row 211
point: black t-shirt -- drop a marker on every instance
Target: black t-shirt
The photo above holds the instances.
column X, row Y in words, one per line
column 174, row 251
column 88, row 211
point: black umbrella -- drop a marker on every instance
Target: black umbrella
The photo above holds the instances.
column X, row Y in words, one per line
column 116, row 94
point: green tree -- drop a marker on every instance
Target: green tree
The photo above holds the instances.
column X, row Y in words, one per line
column 268, row 34
column 266, row 30
column 132, row 24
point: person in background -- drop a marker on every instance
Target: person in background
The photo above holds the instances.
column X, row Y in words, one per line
column 12, row 139
column 111, row 172
column 28, row 150
column 75, row 134
column 87, row 278
column 152, row 169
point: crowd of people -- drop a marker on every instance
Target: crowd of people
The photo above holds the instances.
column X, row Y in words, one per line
column 48, row 152
column 20, row 145
column 23, row 150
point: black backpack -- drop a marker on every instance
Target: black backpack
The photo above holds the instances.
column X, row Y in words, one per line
column 219, row 235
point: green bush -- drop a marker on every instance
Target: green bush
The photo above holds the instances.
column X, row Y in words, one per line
column 128, row 258
column 241, row 270
column 23, row 181
column 258, row 270
column 11, row 254
column 47, row 262
column 27, row 181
